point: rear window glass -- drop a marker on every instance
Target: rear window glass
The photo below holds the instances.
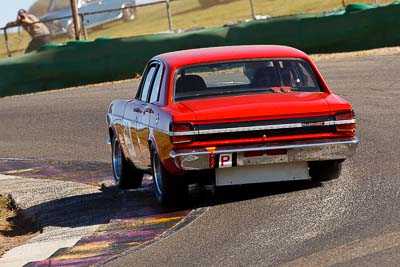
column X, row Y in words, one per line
column 244, row 77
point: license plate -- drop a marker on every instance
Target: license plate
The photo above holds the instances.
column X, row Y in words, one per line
column 262, row 173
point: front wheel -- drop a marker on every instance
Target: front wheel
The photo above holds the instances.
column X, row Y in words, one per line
column 71, row 30
column 126, row 175
column 325, row 170
column 169, row 189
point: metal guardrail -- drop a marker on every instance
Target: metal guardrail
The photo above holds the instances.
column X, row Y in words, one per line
column 82, row 20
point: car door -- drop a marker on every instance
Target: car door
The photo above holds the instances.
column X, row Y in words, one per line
column 143, row 126
column 139, row 130
column 133, row 112
column 129, row 122
column 150, row 114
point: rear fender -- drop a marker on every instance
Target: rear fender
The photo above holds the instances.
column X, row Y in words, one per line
column 167, row 161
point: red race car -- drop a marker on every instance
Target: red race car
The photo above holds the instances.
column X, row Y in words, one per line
column 231, row 115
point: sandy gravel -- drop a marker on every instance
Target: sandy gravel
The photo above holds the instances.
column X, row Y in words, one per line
column 364, row 53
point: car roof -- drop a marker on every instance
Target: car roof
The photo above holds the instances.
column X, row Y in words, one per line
column 226, row 53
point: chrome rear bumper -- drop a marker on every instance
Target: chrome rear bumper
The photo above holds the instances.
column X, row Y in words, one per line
column 309, row 150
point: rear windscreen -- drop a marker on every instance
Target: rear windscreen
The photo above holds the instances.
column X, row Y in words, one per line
column 244, row 77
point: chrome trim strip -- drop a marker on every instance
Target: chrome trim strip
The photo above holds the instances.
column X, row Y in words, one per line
column 340, row 122
column 252, row 128
column 183, row 133
column 264, row 127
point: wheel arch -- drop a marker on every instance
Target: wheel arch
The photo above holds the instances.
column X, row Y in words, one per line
column 152, row 143
column 111, row 132
column 166, row 161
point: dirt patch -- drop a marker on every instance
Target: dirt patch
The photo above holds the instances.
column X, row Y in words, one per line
column 364, row 53
column 15, row 226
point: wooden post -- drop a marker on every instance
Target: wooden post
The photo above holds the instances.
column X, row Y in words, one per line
column 85, row 34
column 170, row 27
column 253, row 13
column 75, row 16
column 6, row 42
column 344, row 3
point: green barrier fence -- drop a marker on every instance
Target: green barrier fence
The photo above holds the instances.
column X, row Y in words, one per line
column 360, row 27
column 81, row 62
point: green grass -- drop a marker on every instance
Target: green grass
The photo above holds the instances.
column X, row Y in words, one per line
column 15, row 227
column 2, row 250
column 4, row 213
column 187, row 14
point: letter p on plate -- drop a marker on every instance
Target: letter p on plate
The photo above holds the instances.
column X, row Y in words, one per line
column 225, row 160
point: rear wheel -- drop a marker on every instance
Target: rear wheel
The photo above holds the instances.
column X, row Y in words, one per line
column 126, row 175
column 169, row 189
column 325, row 170
column 129, row 14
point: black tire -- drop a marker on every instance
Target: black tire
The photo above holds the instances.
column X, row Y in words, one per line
column 129, row 14
column 224, row 192
column 325, row 170
column 168, row 189
column 126, row 176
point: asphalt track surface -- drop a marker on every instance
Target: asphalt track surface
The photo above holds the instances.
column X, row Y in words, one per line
column 352, row 221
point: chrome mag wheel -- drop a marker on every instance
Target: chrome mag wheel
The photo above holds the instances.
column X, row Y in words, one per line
column 116, row 160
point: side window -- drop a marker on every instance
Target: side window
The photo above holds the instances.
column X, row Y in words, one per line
column 156, row 85
column 147, row 83
column 305, row 72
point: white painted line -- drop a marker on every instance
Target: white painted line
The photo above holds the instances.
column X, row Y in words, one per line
column 19, row 171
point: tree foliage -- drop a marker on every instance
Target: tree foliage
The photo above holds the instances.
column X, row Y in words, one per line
column 39, row 8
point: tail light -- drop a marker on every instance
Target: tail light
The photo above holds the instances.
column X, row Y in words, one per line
column 181, row 133
column 345, row 121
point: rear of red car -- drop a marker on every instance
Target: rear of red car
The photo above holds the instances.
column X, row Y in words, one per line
column 263, row 119
column 243, row 115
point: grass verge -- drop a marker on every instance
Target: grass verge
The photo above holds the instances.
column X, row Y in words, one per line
column 187, row 14
column 15, row 227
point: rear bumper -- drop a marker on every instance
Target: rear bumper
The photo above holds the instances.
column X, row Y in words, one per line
column 299, row 151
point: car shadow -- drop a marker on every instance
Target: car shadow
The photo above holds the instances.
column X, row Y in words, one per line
column 95, row 208
column 202, row 196
column 111, row 203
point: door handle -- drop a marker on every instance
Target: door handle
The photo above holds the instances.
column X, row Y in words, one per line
column 138, row 110
column 149, row 110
